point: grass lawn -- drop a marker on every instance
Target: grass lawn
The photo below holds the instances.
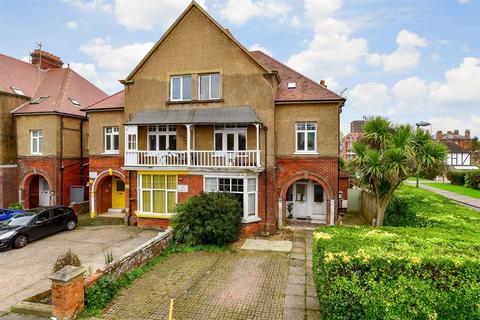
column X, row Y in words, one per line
column 464, row 191
column 415, row 179
column 429, row 270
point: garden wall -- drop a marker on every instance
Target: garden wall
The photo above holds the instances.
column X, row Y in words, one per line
column 369, row 207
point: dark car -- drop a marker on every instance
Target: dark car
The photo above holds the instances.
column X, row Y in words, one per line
column 6, row 214
column 34, row 224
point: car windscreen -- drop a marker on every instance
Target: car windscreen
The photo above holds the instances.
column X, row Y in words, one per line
column 20, row 220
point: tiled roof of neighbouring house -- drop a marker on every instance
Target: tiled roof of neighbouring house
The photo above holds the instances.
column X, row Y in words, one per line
column 115, row 101
column 305, row 88
column 60, row 90
column 454, row 148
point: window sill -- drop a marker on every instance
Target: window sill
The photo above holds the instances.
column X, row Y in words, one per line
column 306, row 152
column 170, row 102
column 111, row 153
column 251, row 219
column 154, row 215
column 36, row 154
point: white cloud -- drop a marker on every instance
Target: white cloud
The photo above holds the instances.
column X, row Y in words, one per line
column 90, row 5
column 410, row 94
column 240, row 11
column 405, row 57
column 25, row 59
column 472, row 122
column 332, row 52
column 86, row 70
column 111, row 63
column 148, row 15
column 259, row 47
column 72, row 25
column 296, row 22
column 464, row 1
column 370, row 97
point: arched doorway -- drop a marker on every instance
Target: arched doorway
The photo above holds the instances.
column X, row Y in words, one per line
column 38, row 191
column 110, row 194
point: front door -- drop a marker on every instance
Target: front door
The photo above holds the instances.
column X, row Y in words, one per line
column 301, row 208
column 43, row 192
column 308, row 200
column 318, row 203
column 118, row 193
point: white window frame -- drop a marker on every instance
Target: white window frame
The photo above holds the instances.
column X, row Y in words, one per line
column 38, row 136
column 140, row 190
column 209, row 75
column 230, row 130
column 305, row 133
column 161, row 130
column 111, row 136
column 181, row 87
column 246, row 217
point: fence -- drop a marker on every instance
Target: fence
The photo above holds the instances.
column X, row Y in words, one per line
column 369, row 207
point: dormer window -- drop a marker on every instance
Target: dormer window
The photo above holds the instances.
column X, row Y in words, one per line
column 292, row 85
column 181, row 88
column 17, row 91
column 38, row 100
column 74, row 102
column 209, row 86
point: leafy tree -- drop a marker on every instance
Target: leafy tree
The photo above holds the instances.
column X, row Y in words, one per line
column 387, row 154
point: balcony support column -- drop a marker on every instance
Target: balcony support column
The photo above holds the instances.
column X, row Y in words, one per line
column 188, row 143
column 257, row 126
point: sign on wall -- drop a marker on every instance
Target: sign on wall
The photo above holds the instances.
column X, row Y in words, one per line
column 92, row 175
column 182, row 188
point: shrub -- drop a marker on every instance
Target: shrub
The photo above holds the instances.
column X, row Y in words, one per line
column 399, row 214
column 67, row 259
column 15, row 206
column 472, row 179
column 209, row 218
column 456, row 177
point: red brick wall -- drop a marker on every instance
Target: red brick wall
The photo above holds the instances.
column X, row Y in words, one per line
column 8, row 186
column 344, row 187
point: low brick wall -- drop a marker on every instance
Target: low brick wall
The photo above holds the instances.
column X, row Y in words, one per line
column 81, row 207
column 133, row 259
column 369, row 207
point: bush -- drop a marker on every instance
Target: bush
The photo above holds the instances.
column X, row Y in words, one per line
column 402, row 273
column 472, row 179
column 456, row 177
column 15, row 206
column 67, row 259
column 209, row 218
column 399, row 214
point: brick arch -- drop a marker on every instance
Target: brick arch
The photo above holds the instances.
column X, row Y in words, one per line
column 104, row 174
column 25, row 185
column 96, row 192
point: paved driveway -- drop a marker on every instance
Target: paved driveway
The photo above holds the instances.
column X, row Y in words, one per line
column 24, row 272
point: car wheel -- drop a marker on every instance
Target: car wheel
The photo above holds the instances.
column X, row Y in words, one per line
column 71, row 224
column 20, row 241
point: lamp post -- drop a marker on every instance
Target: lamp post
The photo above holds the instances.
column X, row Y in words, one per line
column 421, row 124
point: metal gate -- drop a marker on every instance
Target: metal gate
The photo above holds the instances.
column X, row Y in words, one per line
column 354, row 200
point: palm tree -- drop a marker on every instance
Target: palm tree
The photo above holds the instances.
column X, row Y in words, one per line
column 387, row 154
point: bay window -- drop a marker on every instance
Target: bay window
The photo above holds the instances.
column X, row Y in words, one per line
column 157, row 194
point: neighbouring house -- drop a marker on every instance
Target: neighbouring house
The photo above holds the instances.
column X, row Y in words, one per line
column 350, row 138
column 200, row 113
column 464, row 141
column 458, row 157
column 43, row 147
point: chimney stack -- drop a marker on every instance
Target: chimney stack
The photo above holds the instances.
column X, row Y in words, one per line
column 322, row 83
column 467, row 134
column 456, row 131
column 449, row 132
column 45, row 60
column 439, row 135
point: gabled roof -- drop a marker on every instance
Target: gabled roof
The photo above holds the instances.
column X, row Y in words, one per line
column 195, row 5
column 59, row 88
column 454, row 148
column 113, row 102
column 306, row 89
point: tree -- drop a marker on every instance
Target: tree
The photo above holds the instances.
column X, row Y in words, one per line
column 387, row 154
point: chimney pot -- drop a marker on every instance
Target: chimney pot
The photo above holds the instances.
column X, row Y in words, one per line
column 439, row 135
column 467, row 134
column 455, row 131
column 45, row 60
column 322, row 82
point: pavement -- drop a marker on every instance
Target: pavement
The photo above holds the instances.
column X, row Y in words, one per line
column 24, row 272
column 267, row 245
column 470, row 202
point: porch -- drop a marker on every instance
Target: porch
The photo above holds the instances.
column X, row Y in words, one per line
column 203, row 138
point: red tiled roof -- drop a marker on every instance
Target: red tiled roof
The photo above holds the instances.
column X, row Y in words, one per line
column 454, row 148
column 115, row 101
column 306, row 89
column 59, row 85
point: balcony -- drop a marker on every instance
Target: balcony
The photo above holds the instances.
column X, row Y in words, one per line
column 194, row 138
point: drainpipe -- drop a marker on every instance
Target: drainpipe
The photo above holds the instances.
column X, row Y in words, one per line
column 265, row 182
column 81, row 152
column 61, row 160
column 129, row 197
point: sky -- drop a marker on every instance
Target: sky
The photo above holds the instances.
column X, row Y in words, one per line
column 409, row 60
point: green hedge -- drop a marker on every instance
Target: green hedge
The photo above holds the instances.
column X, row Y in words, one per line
column 456, row 177
column 430, row 272
column 472, row 179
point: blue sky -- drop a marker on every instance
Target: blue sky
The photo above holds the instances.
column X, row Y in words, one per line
column 408, row 60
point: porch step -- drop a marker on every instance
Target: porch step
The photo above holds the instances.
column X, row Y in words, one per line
column 116, row 210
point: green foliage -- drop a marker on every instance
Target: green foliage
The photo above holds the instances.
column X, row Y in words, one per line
column 428, row 272
column 209, row 218
column 67, row 259
column 464, row 191
column 400, row 214
column 15, row 206
column 472, row 179
column 456, row 177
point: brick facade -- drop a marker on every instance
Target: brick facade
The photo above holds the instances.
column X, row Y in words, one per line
column 8, row 186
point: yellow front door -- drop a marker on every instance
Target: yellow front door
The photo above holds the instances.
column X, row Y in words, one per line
column 118, row 193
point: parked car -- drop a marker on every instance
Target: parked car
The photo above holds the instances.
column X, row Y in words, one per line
column 34, row 224
column 6, row 214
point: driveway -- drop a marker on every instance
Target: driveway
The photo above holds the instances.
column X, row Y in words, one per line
column 24, row 272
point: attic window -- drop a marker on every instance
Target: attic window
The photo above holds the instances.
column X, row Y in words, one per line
column 75, row 102
column 292, row 85
column 38, row 100
column 17, row 91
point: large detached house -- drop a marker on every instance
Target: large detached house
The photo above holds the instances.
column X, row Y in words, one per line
column 200, row 113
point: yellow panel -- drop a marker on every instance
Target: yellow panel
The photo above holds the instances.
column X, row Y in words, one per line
column 164, row 172
column 171, row 182
column 158, row 201
column 146, row 181
column 146, row 200
column 158, row 182
column 153, row 215
column 172, row 202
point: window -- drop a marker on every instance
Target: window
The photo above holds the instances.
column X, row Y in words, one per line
column 230, row 139
column 162, row 137
column 75, row 102
column 111, row 140
column 36, row 141
column 181, row 88
column 158, row 194
column 17, row 91
column 132, row 142
column 306, row 138
column 244, row 189
column 209, row 86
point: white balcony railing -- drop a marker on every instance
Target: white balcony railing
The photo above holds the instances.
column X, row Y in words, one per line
column 194, row 158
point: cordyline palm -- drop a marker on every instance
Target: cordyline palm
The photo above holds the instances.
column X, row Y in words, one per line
column 387, row 154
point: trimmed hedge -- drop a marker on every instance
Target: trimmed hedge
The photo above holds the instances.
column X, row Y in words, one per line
column 456, row 177
column 430, row 272
column 472, row 179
